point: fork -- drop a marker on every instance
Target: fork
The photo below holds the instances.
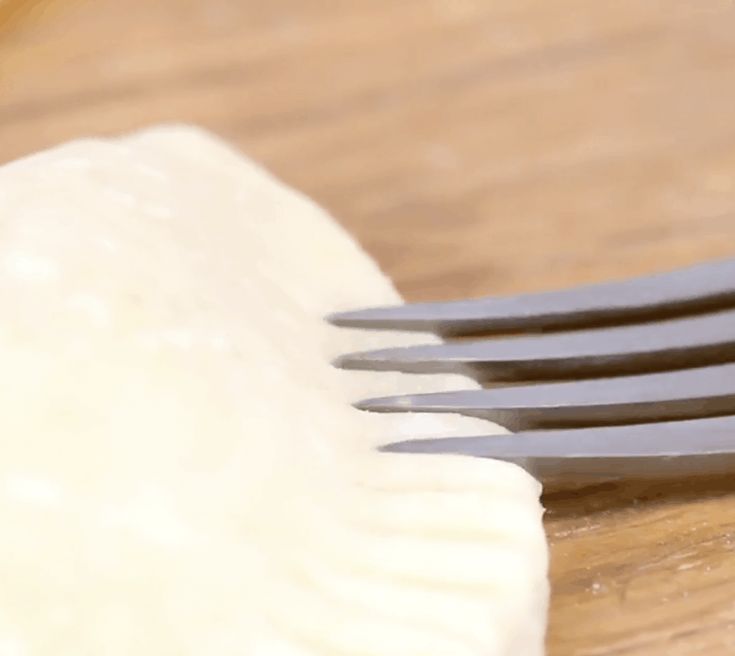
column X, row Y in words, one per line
column 634, row 378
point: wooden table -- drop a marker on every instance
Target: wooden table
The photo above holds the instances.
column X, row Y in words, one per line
column 474, row 147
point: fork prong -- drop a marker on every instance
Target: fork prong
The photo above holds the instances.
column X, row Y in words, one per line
column 697, row 288
column 687, row 394
column 677, row 448
column 671, row 344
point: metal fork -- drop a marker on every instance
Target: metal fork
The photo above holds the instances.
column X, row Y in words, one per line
column 650, row 363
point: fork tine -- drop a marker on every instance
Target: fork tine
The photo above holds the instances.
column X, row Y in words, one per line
column 678, row 448
column 702, row 287
column 701, row 392
column 674, row 343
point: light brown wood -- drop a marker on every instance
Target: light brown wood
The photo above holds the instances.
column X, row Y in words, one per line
column 474, row 147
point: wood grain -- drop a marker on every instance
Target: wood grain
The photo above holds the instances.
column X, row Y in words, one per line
column 473, row 147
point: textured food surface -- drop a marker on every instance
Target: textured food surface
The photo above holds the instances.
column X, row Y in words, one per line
column 180, row 468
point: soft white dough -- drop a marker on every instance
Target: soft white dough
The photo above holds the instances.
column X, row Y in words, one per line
column 181, row 472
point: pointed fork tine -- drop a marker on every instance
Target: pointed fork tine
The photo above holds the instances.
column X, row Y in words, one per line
column 675, row 343
column 688, row 394
column 694, row 447
column 697, row 288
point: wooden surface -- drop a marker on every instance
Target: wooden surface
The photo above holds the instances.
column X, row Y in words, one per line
column 474, row 147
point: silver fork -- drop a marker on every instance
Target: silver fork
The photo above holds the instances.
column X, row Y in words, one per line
column 650, row 363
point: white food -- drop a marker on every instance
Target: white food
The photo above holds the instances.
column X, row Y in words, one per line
column 181, row 472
